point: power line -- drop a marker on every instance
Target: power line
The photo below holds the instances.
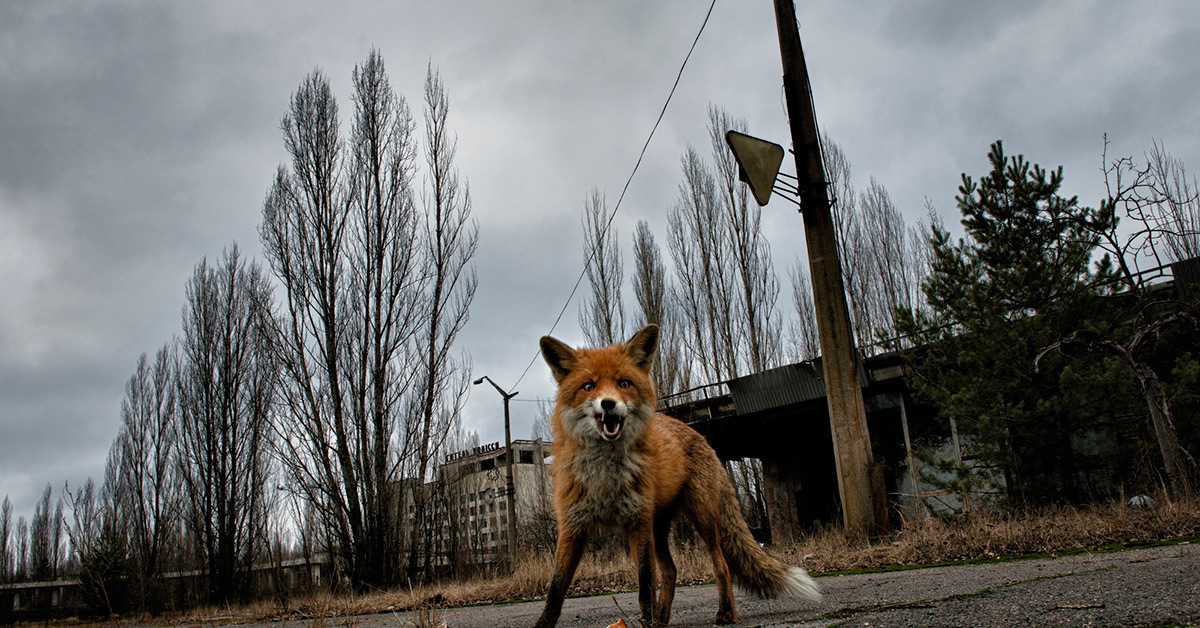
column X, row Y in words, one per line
column 613, row 215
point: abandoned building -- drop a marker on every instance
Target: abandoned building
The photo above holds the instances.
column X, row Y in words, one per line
column 470, row 500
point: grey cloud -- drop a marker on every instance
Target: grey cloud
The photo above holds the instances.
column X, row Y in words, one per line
column 136, row 138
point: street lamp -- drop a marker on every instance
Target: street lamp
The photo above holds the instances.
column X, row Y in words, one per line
column 508, row 458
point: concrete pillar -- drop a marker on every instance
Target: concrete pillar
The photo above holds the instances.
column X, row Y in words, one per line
column 783, row 514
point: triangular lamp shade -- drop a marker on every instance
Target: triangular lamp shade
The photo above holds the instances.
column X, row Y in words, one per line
column 758, row 163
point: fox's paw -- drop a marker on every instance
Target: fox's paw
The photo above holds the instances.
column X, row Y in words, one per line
column 726, row 616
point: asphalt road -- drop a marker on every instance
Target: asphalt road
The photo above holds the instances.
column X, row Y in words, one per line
column 1157, row 586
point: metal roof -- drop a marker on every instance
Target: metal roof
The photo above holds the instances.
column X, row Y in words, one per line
column 782, row 386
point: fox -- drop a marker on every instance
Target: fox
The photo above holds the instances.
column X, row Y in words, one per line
column 620, row 465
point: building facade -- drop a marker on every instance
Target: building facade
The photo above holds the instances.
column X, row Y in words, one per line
column 467, row 503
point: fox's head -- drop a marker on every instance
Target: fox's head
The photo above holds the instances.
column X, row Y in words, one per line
column 604, row 394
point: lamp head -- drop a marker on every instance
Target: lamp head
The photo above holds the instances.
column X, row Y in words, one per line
column 479, row 381
column 758, row 163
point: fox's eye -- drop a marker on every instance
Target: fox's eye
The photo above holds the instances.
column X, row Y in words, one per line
column 624, row 383
column 588, row 386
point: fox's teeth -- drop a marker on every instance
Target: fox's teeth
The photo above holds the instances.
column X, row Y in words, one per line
column 610, row 425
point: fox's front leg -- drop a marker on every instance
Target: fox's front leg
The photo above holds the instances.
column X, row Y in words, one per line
column 641, row 550
column 570, row 549
column 666, row 570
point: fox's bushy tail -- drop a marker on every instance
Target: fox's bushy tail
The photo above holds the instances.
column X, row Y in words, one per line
column 751, row 567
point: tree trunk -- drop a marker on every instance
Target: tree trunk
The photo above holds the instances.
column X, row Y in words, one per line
column 1164, row 429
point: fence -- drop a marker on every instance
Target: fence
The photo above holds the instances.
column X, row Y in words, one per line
column 40, row 601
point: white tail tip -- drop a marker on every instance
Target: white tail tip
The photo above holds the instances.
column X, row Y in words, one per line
column 797, row 583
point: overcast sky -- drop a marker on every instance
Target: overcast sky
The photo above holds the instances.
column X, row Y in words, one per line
column 136, row 138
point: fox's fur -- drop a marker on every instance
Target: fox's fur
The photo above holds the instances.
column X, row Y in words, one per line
column 617, row 464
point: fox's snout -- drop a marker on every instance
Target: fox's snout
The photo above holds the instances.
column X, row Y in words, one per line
column 609, row 417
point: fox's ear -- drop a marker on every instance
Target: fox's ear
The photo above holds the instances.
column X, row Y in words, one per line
column 559, row 356
column 642, row 346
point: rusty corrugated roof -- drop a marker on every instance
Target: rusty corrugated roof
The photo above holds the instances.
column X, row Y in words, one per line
column 781, row 386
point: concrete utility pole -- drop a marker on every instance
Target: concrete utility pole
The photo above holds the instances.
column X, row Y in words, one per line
column 508, row 462
column 847, row 418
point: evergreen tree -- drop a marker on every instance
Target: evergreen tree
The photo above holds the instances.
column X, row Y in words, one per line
column 1019, row 280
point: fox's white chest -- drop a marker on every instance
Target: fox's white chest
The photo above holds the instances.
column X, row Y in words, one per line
column 609, row 497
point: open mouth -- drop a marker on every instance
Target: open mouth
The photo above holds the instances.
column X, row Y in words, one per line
column 610, row 425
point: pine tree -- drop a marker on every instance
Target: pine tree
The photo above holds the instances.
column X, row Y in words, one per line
column 1019, row 280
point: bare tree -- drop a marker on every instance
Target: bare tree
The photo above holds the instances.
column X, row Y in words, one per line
column 651, row 288
column 705, row 284
column 45, row 533
column 805, row 344
column 649, row 277
column 541, row 421
column 1160, row 202
column 58, row 540
column 883, row 260
column 375, row 296
column 147, row 471
column 6, row 547
column 99, row 543
column 305, row 218
column 384, row 306
column 851, row 240
column 21, row 558
column 83, row 530
column 893, row 266
column 87, row 517
column 226, row 382
column 1165, row 211
column 342, row 341
column 602, row 316
column 451, row 237
column 726, row 286
column 1176, row 204
column 758, row 326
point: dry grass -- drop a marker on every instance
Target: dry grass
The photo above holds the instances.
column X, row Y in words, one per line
column 981, row 535
column 992, row 534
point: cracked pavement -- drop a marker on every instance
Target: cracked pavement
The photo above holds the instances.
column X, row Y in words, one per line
column 1156, row 586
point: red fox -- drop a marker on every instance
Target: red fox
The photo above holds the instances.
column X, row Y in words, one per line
column 619, row 465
